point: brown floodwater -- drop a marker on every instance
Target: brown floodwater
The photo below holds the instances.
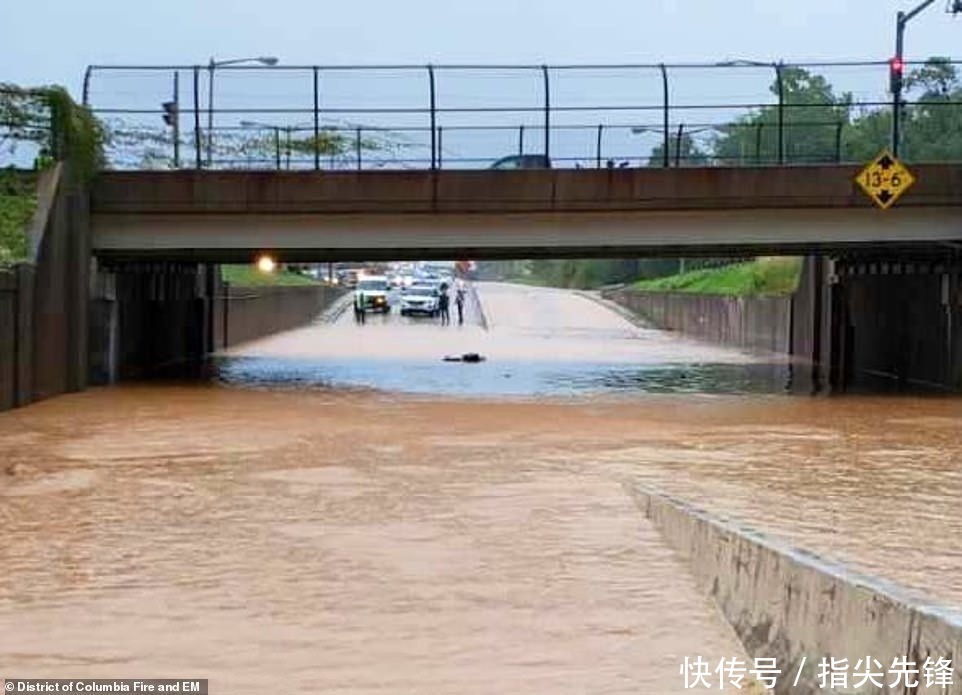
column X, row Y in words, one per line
column 356, row 543
column 366, row 540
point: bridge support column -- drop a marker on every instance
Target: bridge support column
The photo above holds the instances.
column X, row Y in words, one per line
column 815, row 313
column 104, row 328
column 887, row 322
column 151, row 319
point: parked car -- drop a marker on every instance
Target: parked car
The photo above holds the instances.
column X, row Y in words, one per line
column 523, row 161
column 376, row 290
column 347, row 278
column 420, row 299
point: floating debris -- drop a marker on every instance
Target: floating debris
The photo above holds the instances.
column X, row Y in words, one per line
column 466, row 357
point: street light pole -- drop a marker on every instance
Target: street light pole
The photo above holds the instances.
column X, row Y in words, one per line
column 210, row 111
column 211, row 66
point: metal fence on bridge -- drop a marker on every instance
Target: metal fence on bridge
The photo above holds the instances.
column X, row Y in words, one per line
column 27, row 134
column 731, row 113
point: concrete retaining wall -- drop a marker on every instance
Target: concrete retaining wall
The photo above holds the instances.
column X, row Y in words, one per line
column 758, row 324
column 249, row 313
column 43, row 302
column 790, row 605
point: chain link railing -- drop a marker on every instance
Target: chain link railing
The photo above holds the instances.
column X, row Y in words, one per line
column 734, row 113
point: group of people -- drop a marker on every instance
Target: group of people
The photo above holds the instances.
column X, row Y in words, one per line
column 444, row 302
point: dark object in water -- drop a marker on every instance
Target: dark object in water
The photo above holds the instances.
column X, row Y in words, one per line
column 466, row 357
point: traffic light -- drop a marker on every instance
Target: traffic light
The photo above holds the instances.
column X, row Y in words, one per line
column 170, row 112
column 896, row 68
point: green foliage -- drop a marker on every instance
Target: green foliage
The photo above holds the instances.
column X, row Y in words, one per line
column 578, row 274
column 764, row 276
column 686, row 152
column 63, row 130
column 821, row 126
column 933, row 126
column 17, row 204
column 78, row 135
column 249, row 276
column 811, row 118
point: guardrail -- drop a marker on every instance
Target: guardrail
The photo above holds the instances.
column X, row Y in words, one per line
column 462, row 116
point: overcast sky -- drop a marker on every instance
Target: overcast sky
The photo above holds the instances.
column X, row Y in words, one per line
column 51, row 41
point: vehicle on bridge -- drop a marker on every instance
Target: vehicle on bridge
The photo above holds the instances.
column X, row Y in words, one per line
column 523, row 161
column 376, row 290
column 347, row 277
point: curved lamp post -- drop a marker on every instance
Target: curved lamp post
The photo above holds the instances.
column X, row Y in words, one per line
column 211, row 66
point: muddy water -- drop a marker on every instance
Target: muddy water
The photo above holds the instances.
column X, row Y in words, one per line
column 354, row 543
column 874, row 483
column 363, row 541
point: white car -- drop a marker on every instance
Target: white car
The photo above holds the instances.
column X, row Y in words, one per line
column 375, row 289
column 420, row 299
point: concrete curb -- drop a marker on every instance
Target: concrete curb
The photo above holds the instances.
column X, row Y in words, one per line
column 800, row 608
column 337, row 308
column 479, row 305
column 623, row 311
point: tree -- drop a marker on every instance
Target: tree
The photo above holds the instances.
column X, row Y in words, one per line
column 933, row 123
column 688, row 154
column 811, row 117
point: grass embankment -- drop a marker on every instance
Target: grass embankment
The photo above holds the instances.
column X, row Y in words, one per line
column 18, row 200
column 759, row 277
column 249, row 276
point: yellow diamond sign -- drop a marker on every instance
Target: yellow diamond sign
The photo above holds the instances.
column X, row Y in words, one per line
column 885, row 179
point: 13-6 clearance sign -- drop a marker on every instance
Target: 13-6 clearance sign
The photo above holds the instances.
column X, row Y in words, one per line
column 885, row 179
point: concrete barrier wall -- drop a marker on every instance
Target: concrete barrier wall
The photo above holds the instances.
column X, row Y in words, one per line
column 794, row 606
column 758, row 324
column 249, row 313
column 43, row 302
column 16, row 335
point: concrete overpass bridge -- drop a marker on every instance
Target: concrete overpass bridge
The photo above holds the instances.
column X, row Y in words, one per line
column 220, row 216
column 881, row 292
column 390, row 162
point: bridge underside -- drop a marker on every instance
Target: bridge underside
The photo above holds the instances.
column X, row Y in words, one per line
column 316, row 237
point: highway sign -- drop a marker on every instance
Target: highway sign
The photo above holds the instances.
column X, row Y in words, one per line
column 885, row 179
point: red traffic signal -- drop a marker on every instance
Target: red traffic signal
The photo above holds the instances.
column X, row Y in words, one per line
column 896, row 68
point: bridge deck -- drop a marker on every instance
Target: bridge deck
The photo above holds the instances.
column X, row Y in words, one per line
column 229, row 215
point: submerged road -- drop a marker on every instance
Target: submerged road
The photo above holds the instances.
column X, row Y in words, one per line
column 537, row 342
column 324, row 531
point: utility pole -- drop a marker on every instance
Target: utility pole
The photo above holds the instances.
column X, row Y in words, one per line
column 896, row 68
column 172, row 118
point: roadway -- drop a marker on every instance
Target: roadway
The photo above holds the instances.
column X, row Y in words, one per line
column 508, row 324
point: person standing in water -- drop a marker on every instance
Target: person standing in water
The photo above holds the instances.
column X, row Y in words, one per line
column 444, row 302
column 359, row 308
column 459, row 303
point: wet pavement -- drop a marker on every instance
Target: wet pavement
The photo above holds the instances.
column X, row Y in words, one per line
column 538, row 342
column 352, row 535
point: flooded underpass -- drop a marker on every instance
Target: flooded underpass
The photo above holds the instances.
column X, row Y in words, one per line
column 342, row 511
